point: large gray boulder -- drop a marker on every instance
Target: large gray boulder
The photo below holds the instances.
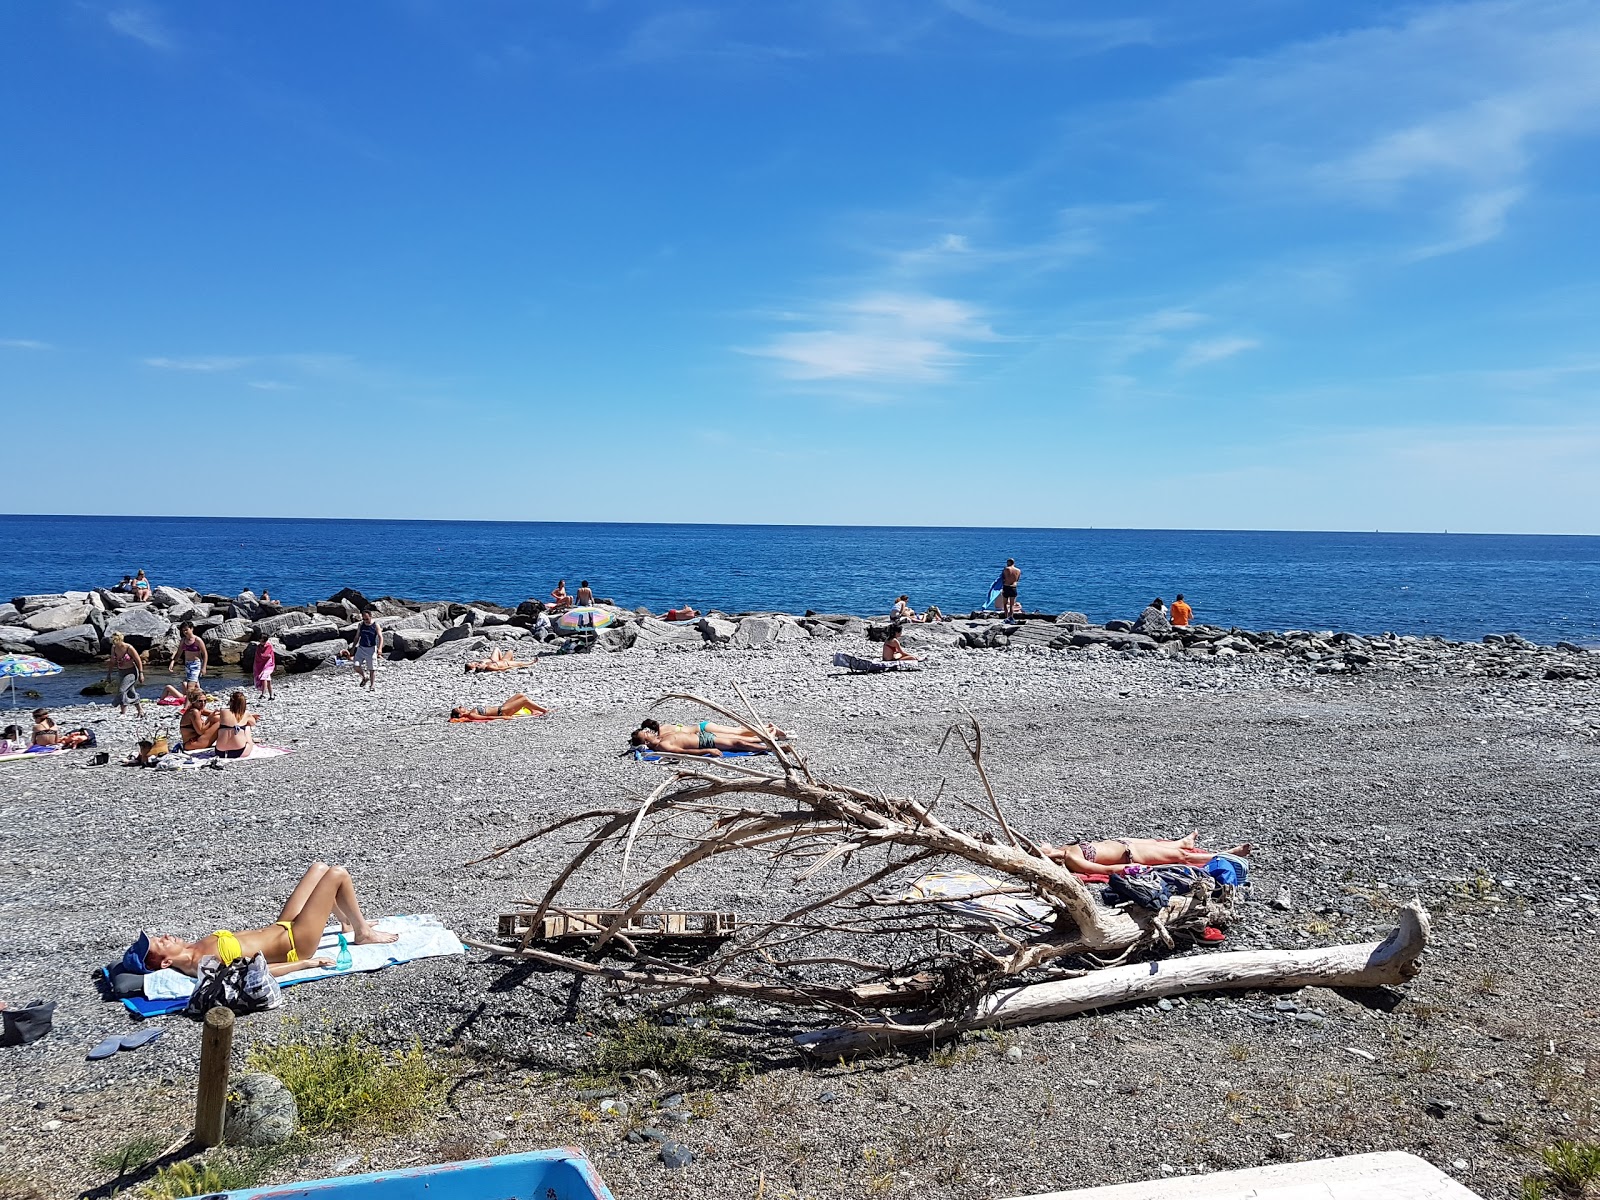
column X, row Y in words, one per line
column 1075, row 619
column 235, row 629
column 115, row 601
column 16, row 639
column 716, row 630
column 226, row 650
column 458, row 650
column 423, row 620
column 277, row 626
column 261, row 1112
column 310, row 657
column 34, row 603
column 10, row 614
column 76, row 644
column 61, row 616
column 170, row 597
column 140, row 627
column 1152, row 621
column 319, row 630
column 758, row 632
column 409, row 643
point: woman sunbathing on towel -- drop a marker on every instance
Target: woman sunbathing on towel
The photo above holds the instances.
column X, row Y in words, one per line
column 702, row 739
column 321, row 892
column 517, row 706
column 1114, row 855
column 500, row 660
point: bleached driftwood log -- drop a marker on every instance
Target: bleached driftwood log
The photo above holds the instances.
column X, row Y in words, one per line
column 1373, row 964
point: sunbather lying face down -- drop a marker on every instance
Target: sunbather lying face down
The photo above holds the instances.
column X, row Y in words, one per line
column 516, row 706
column 321, row 892
column 1114, row 855
column 500, row 660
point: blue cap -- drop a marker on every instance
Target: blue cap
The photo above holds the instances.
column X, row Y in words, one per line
column 133, row 960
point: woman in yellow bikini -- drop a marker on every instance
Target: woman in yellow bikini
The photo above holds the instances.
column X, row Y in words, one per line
column 321, row 892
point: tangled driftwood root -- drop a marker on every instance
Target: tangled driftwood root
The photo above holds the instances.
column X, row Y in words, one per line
column 891, row 965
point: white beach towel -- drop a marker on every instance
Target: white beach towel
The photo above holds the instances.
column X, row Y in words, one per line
column 421, row 936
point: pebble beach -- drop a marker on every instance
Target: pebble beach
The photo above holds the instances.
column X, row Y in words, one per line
column 1365, row 772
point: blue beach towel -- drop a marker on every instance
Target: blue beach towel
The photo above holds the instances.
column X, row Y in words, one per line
column 994, row 591
column 642, row 755
column 420, row 937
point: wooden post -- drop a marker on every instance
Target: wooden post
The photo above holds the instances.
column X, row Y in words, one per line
column 216, row 1054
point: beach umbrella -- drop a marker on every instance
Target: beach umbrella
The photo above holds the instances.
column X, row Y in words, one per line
column 586, row 618
column 24, row 666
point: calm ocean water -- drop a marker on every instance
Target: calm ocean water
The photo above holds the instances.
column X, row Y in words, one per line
column 1459, row 585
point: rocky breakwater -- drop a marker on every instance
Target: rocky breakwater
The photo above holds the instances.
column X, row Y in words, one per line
column 1325, row 652
column 76, row 627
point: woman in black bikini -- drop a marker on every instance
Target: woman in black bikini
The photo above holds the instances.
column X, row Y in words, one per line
column 234, row 739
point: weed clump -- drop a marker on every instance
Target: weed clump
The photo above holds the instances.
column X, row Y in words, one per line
column 669, row 1049
column 1573, row 1166
column 130, row 1156
column 352, row 1084
column 215, row 1174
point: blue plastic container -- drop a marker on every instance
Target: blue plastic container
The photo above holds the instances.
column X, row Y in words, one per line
column 541, row 1175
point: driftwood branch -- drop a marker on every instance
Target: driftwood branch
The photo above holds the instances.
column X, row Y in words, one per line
column 1373, row 964
column 894, row 963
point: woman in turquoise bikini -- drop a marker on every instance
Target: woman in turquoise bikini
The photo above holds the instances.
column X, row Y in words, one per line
column 321, row 892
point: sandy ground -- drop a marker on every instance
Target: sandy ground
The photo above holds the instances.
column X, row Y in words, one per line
column 1478, row 795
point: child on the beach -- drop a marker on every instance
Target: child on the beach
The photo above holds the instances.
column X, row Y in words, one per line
column 266, row 664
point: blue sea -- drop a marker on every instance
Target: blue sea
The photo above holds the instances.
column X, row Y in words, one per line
column 1458, row 585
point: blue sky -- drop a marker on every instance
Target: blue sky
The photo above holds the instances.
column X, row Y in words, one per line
column 1249, row 264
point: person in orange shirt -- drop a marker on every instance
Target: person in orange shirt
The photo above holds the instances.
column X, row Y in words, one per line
column 1181, row 614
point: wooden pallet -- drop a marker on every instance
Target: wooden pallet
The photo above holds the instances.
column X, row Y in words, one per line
column 559, row 924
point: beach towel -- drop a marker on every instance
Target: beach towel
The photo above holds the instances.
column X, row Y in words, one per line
column 872, row 666
column 40, row 752
column 960, row 892
column 421, row 936
column 640, row 754
column 998, row 586
column 258, row 751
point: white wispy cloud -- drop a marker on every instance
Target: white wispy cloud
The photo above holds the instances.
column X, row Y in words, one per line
column 214, row 362
column 1210, row 350
column 24, row 344
column 1090, row 35
column 1441, row 111
column 272, row 385
column 144, row 25
column 882, row 338
column 697, row 33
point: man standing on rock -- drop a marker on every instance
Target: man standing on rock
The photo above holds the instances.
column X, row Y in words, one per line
column 369, row 644
column 1008, row 587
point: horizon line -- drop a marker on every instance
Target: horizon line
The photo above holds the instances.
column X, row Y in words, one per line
column 786, row 525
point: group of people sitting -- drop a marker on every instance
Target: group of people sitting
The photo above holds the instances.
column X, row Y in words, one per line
column 905, row 614
column 45, row 736
column 561, row 599
column 228, row 732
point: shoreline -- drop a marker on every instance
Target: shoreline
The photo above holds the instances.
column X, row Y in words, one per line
column 75, row 628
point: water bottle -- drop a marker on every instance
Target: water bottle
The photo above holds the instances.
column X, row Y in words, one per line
column 344, row 961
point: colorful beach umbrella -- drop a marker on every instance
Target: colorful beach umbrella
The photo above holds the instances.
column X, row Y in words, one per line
column 23, row 666
column 586, row 618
